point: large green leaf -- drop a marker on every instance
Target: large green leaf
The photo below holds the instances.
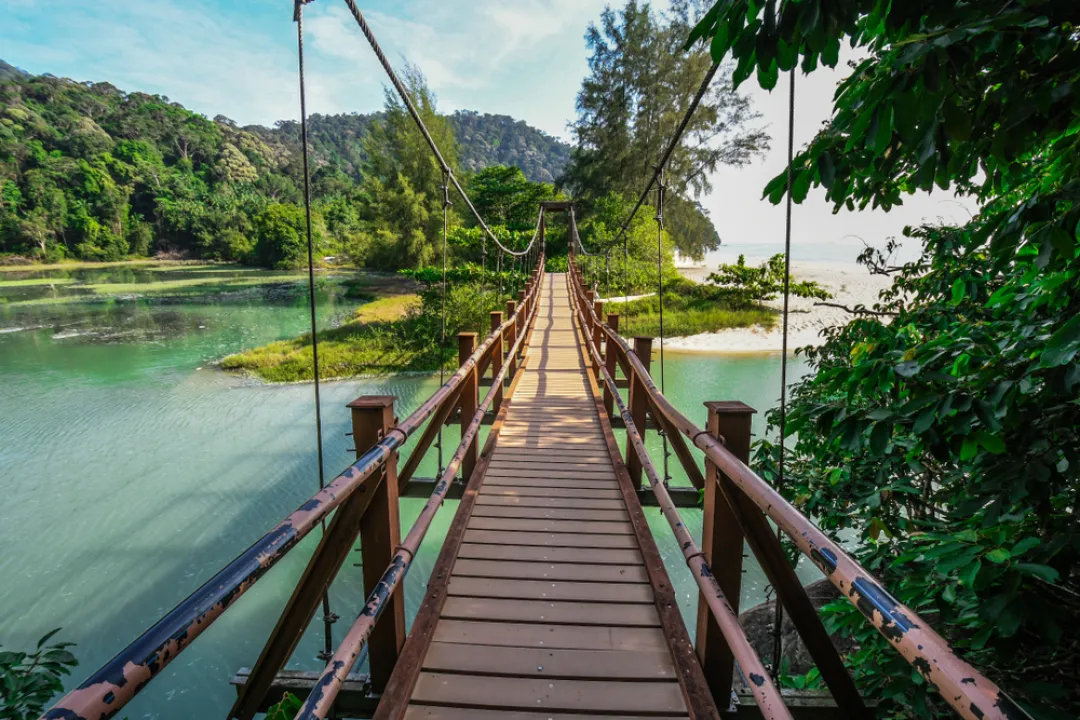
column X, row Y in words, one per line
column 1063, row 344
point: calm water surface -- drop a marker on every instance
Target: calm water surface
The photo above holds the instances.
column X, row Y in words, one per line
column 132, row 469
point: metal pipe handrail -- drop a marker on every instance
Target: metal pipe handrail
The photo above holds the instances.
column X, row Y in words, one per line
column 766, row 695
column 321, row 700
column 969, row 692
column 115, row 683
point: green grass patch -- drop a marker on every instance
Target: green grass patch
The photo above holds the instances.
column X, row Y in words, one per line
column 92, row 265
column 689, row 309
column 377, row 340
column 31, row 282
column 172, row 286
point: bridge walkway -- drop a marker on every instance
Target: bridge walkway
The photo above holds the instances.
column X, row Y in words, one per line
column 549, row 606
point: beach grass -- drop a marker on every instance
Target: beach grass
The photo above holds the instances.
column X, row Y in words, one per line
column 370, row 343
column 689, row 309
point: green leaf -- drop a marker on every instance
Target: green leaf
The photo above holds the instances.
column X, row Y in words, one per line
column 992, row 443
column 969, row 573
column 998, row 555
column 884, row 125
column 768, row 75
column 970, row 448
column 957, row 122
column 879, row 437
column 959, row 290
column 826, row 169
column 1024, row 545
column 720, row 43
column 1063, row 344
column 924, row 420
column 800, row 186
column 1043, row 572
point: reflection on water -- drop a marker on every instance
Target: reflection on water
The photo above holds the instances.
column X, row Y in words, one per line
column 132, row 470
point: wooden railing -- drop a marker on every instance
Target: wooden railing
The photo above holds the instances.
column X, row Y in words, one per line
column 365, row 496
column 737, row 502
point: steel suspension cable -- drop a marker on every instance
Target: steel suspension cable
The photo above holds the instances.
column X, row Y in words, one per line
column 328, row 617
column 404, row 95
column 660, row 188
column 442, row 336
column 778, row 617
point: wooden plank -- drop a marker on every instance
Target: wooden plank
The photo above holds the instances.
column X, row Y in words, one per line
column 555, row 461
column 551, row 571
column 542, row 590
column 550, row 663
column 528, row 553
column 551, row 526
column 569, row 473
column 580, row 503
column 532, row 693
column 603, row 473
column 432, row 712
column 516, row 480
column 547, row 513
column 538, row 539
column 539, row 611
column 569, row 637
column 535, row 492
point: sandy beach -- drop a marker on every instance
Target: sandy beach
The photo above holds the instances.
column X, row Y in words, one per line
column 849, row 283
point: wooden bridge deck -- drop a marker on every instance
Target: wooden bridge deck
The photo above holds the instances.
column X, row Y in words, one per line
column 550, row 610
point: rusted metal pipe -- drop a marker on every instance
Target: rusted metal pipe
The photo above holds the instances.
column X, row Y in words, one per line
column 766, row 694
column 321, row 700
column 112, row 686
column 969, row 692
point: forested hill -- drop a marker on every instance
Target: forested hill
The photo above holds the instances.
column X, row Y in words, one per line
column 9, row 71
column 486, row 140
column 90, row 171
column 483, row 140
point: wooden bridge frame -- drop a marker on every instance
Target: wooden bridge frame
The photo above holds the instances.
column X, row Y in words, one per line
column 737, row 503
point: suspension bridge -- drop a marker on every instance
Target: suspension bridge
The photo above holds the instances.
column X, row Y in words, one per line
column 549, row 598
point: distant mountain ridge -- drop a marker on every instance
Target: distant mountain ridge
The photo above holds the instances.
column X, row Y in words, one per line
column 483, row 140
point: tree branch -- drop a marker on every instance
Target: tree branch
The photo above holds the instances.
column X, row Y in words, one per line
column 857, row 310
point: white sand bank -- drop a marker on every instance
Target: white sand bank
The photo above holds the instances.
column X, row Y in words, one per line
column 849, row 283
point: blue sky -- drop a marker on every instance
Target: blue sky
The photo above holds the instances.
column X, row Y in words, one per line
column 523, row 58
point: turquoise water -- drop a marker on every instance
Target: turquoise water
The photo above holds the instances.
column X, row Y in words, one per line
column 133, row 469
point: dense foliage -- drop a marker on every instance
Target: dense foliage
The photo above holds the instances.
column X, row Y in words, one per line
column 29, row 680
column 639, row 86
column 88, row 171
column 945, row 432
column 742, row 284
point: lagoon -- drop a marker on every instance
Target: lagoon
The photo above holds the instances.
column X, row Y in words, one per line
column 132, row 468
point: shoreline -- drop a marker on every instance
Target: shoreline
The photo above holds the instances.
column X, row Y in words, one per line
column 850, row 284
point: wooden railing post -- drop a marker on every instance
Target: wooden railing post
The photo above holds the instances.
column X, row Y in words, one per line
column 521, row 319
column 511, row 338
column 590, row 299
column 638, row 406
column 722, row 542
column 468, row 401
column 497, row 357
column 380, row 536
column 598, row 336
column 611, row 361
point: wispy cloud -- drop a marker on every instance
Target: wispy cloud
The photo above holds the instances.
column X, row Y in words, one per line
column 238, row 57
